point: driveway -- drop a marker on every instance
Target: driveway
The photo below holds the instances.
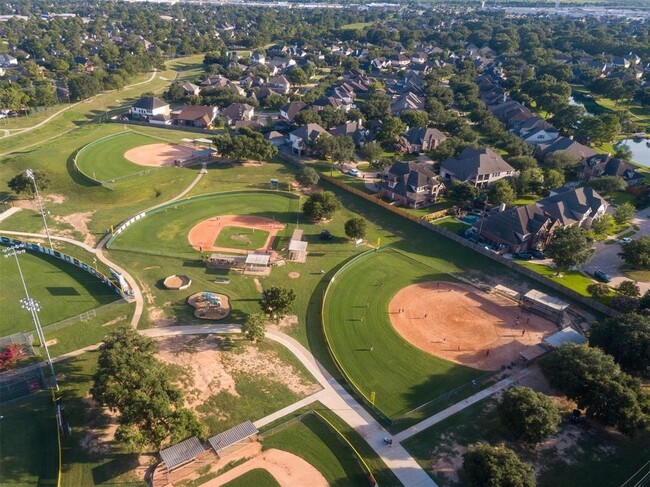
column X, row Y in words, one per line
column 606, row 257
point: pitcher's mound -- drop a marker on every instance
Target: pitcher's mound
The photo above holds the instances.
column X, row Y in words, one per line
column 158, row 155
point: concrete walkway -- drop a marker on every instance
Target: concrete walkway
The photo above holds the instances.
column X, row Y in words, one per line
column 459, row 406
column 11, row 211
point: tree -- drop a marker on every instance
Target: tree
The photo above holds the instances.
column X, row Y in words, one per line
column 307, row 176
column 276, row 301
column 553, row 178
column 529, row 416
column 415, row 118
column 603, row 225
column 606, row 185
column 624, row 213
column 600, row 129
column 376, row 106
column 390, row 131
column 590, row 377
column 133, row 382
column 496, row 466
column 462, row 192
column 254, row 327
column 303, row 117
column 627, row 339
column 247, row 145
column 569, row 246
column 523, row 162
column 356, row 228
column 623, row 151
column 297, row 76
column 530, row 181
column 20, row 183
column 629, row 289
column 321, row 205
column 502, row 192
column 598, row 290
column 371, row 152
column 637, row 252
column 562, row 161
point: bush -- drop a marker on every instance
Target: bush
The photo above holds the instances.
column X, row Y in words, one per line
column 356, row 228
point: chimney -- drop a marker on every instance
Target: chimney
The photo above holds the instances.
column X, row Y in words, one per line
column 570, row 137
column 502, row 207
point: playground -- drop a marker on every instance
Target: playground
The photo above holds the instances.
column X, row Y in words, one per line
column 209, row 306
column 462, row 324
column 234, row 233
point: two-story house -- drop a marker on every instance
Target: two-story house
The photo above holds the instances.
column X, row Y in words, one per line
column 412, row 184
column 305, row 135
column 479, row 168
column 149, row 106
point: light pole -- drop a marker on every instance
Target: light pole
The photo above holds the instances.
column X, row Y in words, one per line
column 30, row 174
column 32, row 306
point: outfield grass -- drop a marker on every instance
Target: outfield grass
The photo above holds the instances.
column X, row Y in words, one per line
column 241, row 238
column 257, row 477
column 373, row 355
column 104, row 159
column 29, row 442
column 315, row 442
column 590, row 461
column 451, row 224
column 571, row 279
column 62, row 289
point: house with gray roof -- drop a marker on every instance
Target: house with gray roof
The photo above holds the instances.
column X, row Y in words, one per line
column 290, row 110
column 305, row 135
column 477, row 167
column 149, row 106
column 606, row 165
column 579, row 206
column 564, row 144
column 420, row 139
column 238, row 112
column 412, row 184
column 518, row 229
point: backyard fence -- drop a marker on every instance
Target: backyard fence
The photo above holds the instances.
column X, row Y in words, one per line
column 18, row 383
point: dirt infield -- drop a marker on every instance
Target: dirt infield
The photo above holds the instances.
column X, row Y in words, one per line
column 288, row 469
column 157, row 155
column 465, row 325
column 203, row 235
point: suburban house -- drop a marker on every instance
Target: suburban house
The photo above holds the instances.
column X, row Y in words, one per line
column 7, row 60
column 355, row 130
column 606, row 165
column 289, row 111
column 564, row 144
column 536, row 131
column 477, row 167
column 412, row 184
column 303, row 136
column 276, row 138
column 518, row 229
column 420, row 139
column 279, row 84
column 238, row 112
column 190, row 89
column 196, row 116
column 579, row 206
column 149, row 106
column 407, row 101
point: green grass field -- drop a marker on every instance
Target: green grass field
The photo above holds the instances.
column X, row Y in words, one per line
column 62, row 289
column 241, row 238
column 257, row 477
column 104, row 159
column 314, row 441
column 571, row 279
column 29, row 442
column 374, row 356
column 588, row 459
column 451, row 224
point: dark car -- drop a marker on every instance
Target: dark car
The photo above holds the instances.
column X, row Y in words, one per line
column 537, row 254
column 601, row 276
column 325, row 235
column 522, row 256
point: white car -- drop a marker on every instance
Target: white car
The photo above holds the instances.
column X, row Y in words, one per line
column 354, row 172
column 625, row 240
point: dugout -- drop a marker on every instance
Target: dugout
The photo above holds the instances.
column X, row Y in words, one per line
column 564, row 336
column 544, row 305
column 233, row 439
column 187, row 451
column 224, row 261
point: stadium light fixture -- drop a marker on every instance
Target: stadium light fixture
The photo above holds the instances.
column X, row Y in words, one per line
column 30, row 174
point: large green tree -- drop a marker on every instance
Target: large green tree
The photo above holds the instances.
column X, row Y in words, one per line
column 20, row 183
column 637, row 252
column 307, row 176
column 569, row 246
column 131, row 381
column 624, row 213
column 321, row 205
column 502, row 192
column 528, row 415
column 591, row 378
column 247, row 145
column 276, row 301
column 627, row 339
column 356, row 227
column 496, row 466
column 254, row 327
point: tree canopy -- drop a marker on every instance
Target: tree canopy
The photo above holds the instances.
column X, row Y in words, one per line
column 276, row 301
column 637, row 252
column 247, row 145
column 356, row 227
column 20, row 183
column 321, row 205
column 528, row 415
column 307, row 176
column 133, row 382
column 569, row 246
column 254, row 327
column 496, row 466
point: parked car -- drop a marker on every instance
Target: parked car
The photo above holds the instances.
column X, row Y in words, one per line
column 537, row 254
column 601, row 276
column 522, row 256
column 625, row 240
column 353, row 172
column 325, row 235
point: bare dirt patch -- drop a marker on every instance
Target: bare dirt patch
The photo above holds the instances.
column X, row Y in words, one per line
column 100, row 430
column 258, row 285
column 465, row 325
column 203, row 235
column 294, row 275
column 288, row 469
column 115, row 320
column 211, row 370
column 79, row 222
column 157, row 155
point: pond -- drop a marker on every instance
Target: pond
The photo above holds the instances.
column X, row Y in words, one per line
column 640, row 150
column 578, row 100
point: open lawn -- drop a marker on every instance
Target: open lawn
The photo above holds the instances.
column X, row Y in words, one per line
column 571, row 279
column 62, row 289
column 373, row 355
column 313, row 440
column 29, row 442
column 451, row 224
column 104, row 159
column 584, row 454
column 257, row 477
column 357, row 26
column 241, row 238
